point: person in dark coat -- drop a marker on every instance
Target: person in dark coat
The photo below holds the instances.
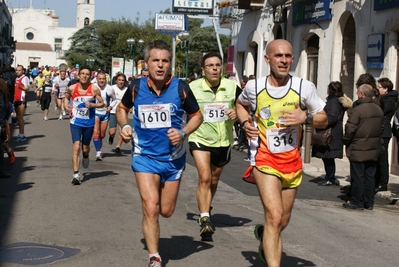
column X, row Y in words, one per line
column 363, row 130
column 4, row 115
column 336, row 105
column 389, row 98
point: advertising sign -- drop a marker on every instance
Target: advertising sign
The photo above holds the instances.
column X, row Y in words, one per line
column 119, row 65
column 375, row 51
column 385, row 4
column 193, row 7
column 170, row 22
column 308, row 11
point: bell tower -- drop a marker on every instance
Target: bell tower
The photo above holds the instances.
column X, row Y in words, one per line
column 84, row 12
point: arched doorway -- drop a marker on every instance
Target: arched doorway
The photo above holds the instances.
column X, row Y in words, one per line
column 313, row 58
column 348, row 56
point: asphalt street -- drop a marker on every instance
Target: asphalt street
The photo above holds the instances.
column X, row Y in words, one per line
column 44, row 220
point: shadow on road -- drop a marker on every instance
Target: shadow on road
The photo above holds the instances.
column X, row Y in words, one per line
column 221, row 220
column 179, row 247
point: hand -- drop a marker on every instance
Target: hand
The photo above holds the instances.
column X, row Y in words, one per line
column 293, row 117
column 88, row 105
column 175, row 136
column 126, row 134
column 231, row 113
column 250, row 130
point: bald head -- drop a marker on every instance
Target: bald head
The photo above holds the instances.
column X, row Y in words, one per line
column 279, row 57
column 276, row 45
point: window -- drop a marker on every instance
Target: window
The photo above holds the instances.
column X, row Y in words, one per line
column 30, row 35
column 57, row 44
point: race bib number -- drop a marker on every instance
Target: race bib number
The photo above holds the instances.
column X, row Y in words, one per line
column 155, row 116
column 215, row 112
column 282, row 139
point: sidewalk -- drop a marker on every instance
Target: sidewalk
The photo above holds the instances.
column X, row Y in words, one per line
column 316, row 169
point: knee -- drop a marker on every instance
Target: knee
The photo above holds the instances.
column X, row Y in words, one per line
column 275, row 219
column 76, row 149
column 167, row 211
column 151, row 210
column 204, row 180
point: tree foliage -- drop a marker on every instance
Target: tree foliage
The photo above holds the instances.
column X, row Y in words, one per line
column 102, row 40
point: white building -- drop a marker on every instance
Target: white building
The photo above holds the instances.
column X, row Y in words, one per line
column 40, row 41
column 332, row 40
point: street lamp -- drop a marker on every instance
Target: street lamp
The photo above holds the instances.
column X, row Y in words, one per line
column 183, row 36
column 135, row 49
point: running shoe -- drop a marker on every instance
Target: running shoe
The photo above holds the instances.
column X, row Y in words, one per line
column 76, row 179
column 155, row 262
column 207, row 230
column 60, row 118
column 110, row 140
column 258, row 232
column 85, row 162
column 118, row 151
column 45, row 118
column 63, row 113
column 99, row 156
column 11, row 156
column 19, row 138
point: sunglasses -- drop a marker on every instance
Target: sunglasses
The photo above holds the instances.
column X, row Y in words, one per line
column 144, row 69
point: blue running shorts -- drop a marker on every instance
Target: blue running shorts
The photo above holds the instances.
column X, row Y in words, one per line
column 168, row 170
column 103, row 117
column 81, row 134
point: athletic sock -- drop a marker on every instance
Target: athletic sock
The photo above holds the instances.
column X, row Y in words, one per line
column 154, row 255
column 204, row 214
column 97, row 143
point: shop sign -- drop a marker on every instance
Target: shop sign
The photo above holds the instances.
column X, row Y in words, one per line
column 375, row 51
column 308, row 11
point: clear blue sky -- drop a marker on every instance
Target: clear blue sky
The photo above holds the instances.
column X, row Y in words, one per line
column 105, row 9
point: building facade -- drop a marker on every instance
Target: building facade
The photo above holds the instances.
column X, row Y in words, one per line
column 40, row 41
column 331, row 40
column 7, row 44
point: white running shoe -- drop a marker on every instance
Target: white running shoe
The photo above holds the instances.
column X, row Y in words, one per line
column 60, row 118
column 45, row 118
column 99, row 156
column 76, row 179
column 63, row 113
column 85, row 162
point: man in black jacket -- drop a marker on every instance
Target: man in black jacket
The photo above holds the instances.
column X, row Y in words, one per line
column 362, row 142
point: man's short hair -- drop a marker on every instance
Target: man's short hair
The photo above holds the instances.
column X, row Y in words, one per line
column 209, row 55
column 157, row 44
column 367, row 90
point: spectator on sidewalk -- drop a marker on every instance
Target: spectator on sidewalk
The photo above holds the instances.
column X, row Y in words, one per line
column 4, row 114
column 336, row 105
column 389, row 99
column 362, row 140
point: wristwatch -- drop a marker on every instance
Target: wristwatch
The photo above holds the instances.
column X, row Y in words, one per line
column 309, row 118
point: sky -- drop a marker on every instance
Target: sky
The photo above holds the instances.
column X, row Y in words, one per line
column 105, row 9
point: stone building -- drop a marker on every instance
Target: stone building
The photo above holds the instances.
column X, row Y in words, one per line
column 7, row 44
column 40, row 41
column 332, row 40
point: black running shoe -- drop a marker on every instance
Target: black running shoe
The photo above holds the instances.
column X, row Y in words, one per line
column 118, row 151
column 110, row 140
column 207, row 230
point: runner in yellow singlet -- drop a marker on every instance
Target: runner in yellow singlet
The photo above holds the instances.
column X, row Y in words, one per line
column 278, row 101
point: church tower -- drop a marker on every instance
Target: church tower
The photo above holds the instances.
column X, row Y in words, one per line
column 84, row 13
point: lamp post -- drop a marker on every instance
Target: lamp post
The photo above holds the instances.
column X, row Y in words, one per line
column 134, row 49
column 183, row 36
